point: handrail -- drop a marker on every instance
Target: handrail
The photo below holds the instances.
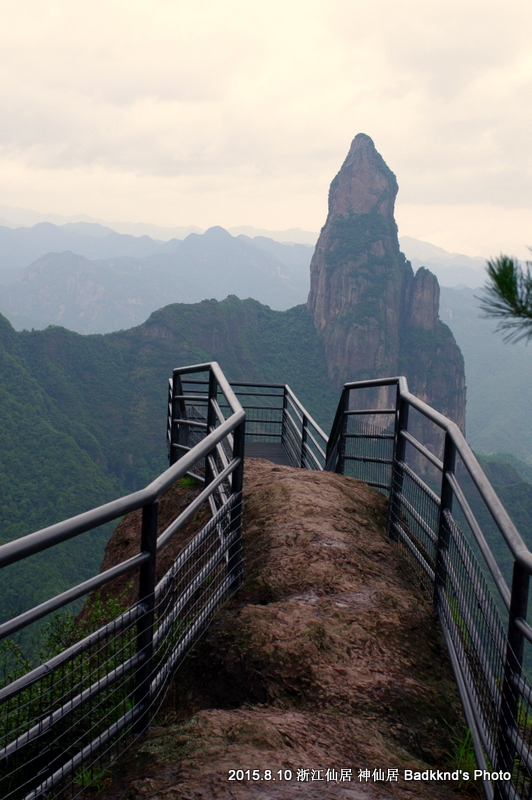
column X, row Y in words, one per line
column 507, row 528
column 62, row 531
column 153, row 635
column 125, row 663
column 310, row 419
column 280, row 419
column 488, row 669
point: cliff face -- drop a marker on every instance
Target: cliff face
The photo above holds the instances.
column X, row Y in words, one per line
column 374, row 316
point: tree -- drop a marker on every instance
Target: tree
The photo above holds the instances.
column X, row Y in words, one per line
column 508, row 296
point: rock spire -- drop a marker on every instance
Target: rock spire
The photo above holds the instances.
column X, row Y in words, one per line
column 376, row 318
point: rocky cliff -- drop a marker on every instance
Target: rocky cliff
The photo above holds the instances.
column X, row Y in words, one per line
column 373, row 315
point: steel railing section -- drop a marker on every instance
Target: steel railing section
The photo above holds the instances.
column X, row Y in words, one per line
column 65, row 720
column 422, row 461
column 274, row 415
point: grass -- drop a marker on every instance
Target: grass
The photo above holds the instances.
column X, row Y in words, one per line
column 463, row 758
column 187, row 482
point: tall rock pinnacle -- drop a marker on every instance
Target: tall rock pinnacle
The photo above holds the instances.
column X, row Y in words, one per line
column 376, row 318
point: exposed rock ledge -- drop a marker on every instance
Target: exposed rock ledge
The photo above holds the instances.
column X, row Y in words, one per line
column 328, row 657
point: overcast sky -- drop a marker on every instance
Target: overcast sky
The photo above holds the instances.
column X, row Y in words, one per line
column 234, row 112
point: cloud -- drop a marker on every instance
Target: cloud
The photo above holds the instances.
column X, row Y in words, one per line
column 254, row 105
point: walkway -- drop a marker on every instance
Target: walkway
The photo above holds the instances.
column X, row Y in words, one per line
column 274, row 452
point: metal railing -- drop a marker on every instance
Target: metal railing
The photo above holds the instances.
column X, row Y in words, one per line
column 445, row 514
column 63, row 721
column 66, row 718
column 274, row 415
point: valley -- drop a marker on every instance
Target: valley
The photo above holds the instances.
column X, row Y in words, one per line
column 83, row 403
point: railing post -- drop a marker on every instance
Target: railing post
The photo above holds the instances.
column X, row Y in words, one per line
column 340, row 463
column 148, row 544
column 237, row 478
column 303, row 441
column 512, row 671
column 170, row 420
column 399, row 452
column 179, row 433
column 211, row 421
column 446, row 507
column 283, row 420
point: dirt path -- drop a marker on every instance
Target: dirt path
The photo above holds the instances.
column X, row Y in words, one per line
column 328, row 658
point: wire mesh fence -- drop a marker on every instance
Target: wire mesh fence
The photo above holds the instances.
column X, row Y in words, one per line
column 368, row 451
column 445, row 516
column 413, row 521
column 63, row 722
column 50, row 721
column 274, row 416
column 188, row 596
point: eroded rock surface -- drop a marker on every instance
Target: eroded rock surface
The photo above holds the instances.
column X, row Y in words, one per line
column 327, row 658
column 373, row 315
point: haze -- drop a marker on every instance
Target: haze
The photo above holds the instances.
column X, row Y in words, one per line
column 236, row 113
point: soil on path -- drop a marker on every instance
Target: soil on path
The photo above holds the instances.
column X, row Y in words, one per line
column 328, row 658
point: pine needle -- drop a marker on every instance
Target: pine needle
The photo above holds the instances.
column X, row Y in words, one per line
column 508, row 297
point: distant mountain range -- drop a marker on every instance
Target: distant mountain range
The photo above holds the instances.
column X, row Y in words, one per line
column 13, row 217
column 451, row 269
column 91, row 279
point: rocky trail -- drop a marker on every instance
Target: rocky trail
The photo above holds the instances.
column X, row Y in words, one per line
column 328, row 658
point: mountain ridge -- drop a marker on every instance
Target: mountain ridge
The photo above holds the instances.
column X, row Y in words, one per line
column 116, row 292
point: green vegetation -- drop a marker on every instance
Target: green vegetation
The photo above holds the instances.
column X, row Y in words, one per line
column 371, row 304
column 354, row 235
column 514, row 470
column 430, row 358
column 83, row 418
column 515, row 494
column 186, row 482
column 48, row 471
column 508, row 298
column 57, row 687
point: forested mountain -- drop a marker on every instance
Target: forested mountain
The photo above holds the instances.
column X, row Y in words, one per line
column 84, row 417
column 51, row 467
column 19, row 247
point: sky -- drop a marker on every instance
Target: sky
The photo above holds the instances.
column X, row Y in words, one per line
column 231, row 112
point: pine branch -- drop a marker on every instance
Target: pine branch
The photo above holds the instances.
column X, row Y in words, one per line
column 508, row 297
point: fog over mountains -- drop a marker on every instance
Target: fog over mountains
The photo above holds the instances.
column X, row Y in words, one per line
column 92, row 279
column 451, row 269
column 13, row 217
